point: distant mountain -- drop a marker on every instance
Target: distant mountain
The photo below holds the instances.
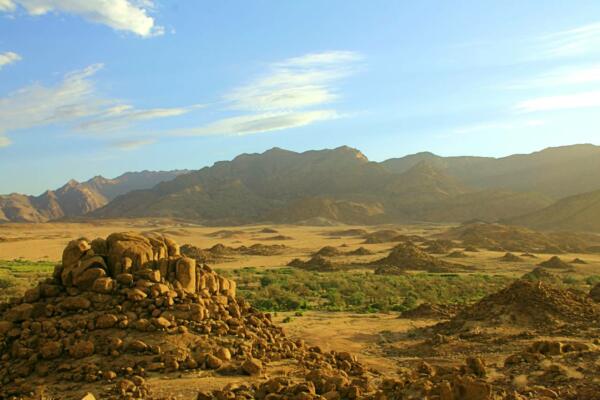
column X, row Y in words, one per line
column 75, row 198
column 575, row 213
column 554, row 172
column 339, row 184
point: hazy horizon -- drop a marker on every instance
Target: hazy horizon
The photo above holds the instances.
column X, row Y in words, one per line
column 84, row 179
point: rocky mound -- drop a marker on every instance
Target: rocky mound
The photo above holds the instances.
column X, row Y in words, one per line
column 328, row 251
column 514, row 238
column 527, row 304
column 510, row 257
column 540, row 274
column 431, row 311
column 361, row 251
column 439, row 246
column 315, row 263
column 129, row 306
column 221, row 253
column 578, row 261
column 268, row 230
column 407, row 257
column 554, row 262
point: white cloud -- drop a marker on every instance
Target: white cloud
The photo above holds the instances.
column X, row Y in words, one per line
column 124, row 15
column 129, row 145
column 295, row 83
column 563, row 76
column 9, row 57
column 289, row 95
column 565, row 102
column 7, row 5
column 571, row 42
column 73, row 102
column 257, row 123
column 122, row 115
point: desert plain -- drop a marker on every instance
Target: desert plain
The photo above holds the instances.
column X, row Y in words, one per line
column 395, row 323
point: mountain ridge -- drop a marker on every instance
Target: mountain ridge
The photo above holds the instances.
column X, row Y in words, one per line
column 75, row 198
column 285, row 186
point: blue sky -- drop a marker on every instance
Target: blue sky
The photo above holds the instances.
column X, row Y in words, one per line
column 106, row 86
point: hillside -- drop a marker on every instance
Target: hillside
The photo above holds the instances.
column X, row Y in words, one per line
column 75, row 198
column 554, row 172
column 339, row 184
column 580, row 212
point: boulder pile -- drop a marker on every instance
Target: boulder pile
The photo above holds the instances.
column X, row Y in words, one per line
column 119, row 309
column 406, row 256
column 315, row 263
column 528, row 304
column 555, row 262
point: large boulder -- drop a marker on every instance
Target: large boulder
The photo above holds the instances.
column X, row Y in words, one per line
column 185, row 273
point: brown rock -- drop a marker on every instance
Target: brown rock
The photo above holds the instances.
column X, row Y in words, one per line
column 106, row 321
column 87, row 271
column 104, row 285
column 161, row 322
column 51, row 350
column 185, row 273
column 213, row 362
column 19, row 313
column 252, row 366
column 137, row 346
column 136, row 295
column 32, row 295
column 224, row 354
column 124, row 279
column 81, row 349
column 476, row 365
column 5, row 327
column 74, row 251
column 75, row 303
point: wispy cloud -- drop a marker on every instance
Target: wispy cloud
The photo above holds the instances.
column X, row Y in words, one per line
column 563, row 76
column 73, row 103
column 123, row 15
column 257, row 123
column 295, row 83
column 122, row 115
column 589, row 99
column 571, row 42
column 8, row 58
column 128, row 145
column 291, row 94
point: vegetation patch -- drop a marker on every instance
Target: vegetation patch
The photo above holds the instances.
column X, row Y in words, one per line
column 289, row 289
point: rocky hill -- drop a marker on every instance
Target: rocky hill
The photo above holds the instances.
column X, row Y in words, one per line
column 555, row 172
column 579, row 212
column 339, row 184
column 75, row 198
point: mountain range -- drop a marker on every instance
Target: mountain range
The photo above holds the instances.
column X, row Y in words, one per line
column 342, row 185
column 75, row 199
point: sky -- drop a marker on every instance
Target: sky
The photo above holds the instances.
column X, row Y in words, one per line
column 101, row 87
